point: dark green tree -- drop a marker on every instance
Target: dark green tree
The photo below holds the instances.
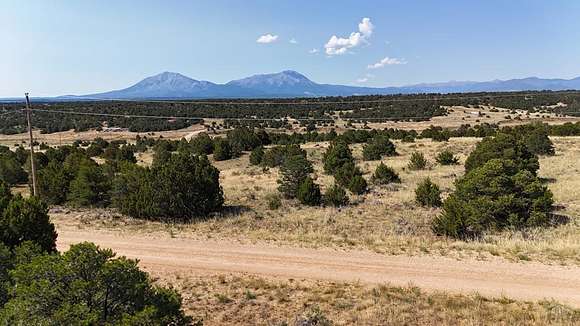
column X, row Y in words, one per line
column 293, row 172
column 222, row 150
column 88, row 286
column 202, row 144
column 336, row 196
column 378, row 147
column 428, row 194
column 90, row 186
column 27, row 220
column 506, row 147
column 337, row 155
column 358, row 185
column 134, row 191
column 417, row 161
column 187, row 186
column 538, row 142
column 11, row 170
column 446, row 158
column 309, row 193
column 384, row 175
column 257, row 155
column 492, row 197
column 53, row 183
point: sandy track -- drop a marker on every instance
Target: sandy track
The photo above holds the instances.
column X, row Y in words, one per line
column 528, row 281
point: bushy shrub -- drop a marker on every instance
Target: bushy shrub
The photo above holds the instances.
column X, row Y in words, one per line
column 384, row 175
column 337, row 155
column 378, row 147
column 309, row 193
column 502, row 146
column 436, row 133
column 257, row 155
column 446, row 158
column 274, row 201
column 313, row 317
column 188, row 186
column 336, row 196
column 492, row 197
column 90, row 186
column 26, row 220
column 185, row 187
column 243, row 139
column 202, row 144
column 119, row 153
column 134, row 191
column 53, row 183
column 222, row 150
column 357, row 185
column 292, row 174
column 428, row 194
column 11, row 170
column 88, row 286
column 417, row 161
column 276, row 156
column 538, row 142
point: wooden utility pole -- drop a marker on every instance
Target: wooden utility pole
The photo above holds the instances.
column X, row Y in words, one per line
column 31, row 141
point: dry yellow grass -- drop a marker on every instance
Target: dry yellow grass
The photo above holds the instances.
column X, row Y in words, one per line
column 386, row 220
column 251, row 300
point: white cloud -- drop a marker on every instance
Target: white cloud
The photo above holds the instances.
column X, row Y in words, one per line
column 365, row 79
column 386, row 62
column 293, row 41
column 366, row 27
column 340, row 45
column 313, row 51
column 267, row 38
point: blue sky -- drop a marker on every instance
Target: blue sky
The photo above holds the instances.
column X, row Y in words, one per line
column 78, row 47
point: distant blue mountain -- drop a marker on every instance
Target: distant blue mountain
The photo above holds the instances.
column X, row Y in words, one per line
column 288, row 83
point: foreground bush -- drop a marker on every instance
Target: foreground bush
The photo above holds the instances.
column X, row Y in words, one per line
column 428, row 194
column 384, row 175
column 505, row 147
column 87, row 286
column 186, row 186
column 23, row 220
column 336, row 196
column 492, row 197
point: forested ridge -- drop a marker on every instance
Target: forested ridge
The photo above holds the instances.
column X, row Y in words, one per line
column 269, row 113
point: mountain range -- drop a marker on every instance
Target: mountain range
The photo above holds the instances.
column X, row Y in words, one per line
column 288, row 83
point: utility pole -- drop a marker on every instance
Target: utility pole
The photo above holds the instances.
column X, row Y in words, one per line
column 31, row 141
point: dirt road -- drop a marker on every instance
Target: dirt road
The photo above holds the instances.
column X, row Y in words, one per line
column 528, row 281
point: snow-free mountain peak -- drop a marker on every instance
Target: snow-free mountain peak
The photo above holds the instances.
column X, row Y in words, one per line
column 290, row 83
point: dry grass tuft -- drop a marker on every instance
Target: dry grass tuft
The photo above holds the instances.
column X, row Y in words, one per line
column 252, row 300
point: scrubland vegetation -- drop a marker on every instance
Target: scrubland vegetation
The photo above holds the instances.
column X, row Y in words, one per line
column 482, row 191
